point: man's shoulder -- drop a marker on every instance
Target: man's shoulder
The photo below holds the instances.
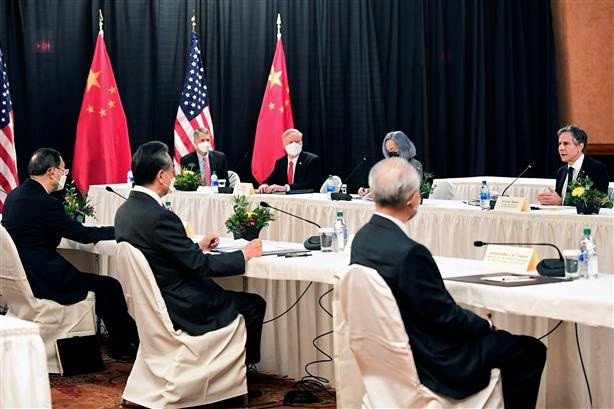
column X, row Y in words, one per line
column 592, row 164
column 190, row 157
column 218, row 154
column 308, row 156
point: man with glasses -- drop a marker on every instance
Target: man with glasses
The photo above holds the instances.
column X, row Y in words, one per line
column 37, row 222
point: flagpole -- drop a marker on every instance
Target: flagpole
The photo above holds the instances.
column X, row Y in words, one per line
column 193, row 21
column 100, row 20
column 278, row 26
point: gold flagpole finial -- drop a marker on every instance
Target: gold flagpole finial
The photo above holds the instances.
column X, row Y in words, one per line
column 100, row 20
column 193, row 21
column 278, row 26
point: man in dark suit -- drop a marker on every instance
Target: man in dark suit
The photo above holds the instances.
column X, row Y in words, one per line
column 453, row 348
column 295, row 171
column 195, row 303
column 37, row 222
column 572, row 146
column 204, row 159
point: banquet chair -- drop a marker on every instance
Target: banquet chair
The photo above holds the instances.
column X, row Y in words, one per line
column 55, row 321
column 172, row 368
column 380, row 344
column 233, row 178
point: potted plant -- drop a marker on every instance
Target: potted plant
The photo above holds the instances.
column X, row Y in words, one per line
column 588, row 200
column 426, row 185
column 76, row 204
column 187, row 180
column 244, row 223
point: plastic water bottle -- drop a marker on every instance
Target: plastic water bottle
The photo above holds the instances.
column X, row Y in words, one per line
column 484, row 196
column 587, row 260
column 214, row 183
column 130, row 179
column 340, row 232
column 330, row 186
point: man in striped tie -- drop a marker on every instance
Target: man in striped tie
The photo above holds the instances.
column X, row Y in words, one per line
column 204, row 159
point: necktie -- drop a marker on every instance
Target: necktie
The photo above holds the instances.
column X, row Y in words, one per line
column 290, row 172
column 207, row 170
column 569, row 175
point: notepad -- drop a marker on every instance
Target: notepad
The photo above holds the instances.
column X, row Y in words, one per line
column 508, row 278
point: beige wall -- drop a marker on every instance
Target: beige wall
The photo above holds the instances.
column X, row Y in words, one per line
column 584, row 41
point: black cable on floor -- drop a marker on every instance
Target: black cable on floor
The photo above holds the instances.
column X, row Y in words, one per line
column 551, row 331
column 312, row 382
column 588, row 386
column 292, row 306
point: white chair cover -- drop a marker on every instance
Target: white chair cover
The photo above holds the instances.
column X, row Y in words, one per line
column 379, row 342
column 336, row 180
column 54, row 320
column 172, row 368
column 233, row 178
column 443, row 190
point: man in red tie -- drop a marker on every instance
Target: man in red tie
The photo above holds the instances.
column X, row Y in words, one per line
column 204, row 159
column 298, row 170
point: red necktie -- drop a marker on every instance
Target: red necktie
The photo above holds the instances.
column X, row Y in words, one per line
column 207, row 170
column 290, row 172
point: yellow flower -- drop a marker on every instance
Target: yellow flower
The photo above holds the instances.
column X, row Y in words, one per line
column 578, row 192
column 249, row 214
column 187, row 172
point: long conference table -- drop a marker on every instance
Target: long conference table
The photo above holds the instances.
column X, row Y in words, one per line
column 586, row 302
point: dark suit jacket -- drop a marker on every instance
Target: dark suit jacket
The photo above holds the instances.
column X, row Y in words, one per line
column 37, row 222
column 307, row 174
column 441, row 333
column 217, row 161
column 591, row 167
column 195, row 303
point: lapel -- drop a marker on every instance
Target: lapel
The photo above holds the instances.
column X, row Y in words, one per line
column 299, row 166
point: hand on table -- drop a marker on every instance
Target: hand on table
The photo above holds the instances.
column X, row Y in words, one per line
column 210, row 241
column 549, row 198
column 252, row 249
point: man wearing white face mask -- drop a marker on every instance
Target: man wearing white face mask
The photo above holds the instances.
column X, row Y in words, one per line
column 297, row 170
column 37, row 222
column 204, row 159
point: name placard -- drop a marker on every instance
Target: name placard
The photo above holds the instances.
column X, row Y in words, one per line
column 510, row 258
column 245, row 189
column 512, row 204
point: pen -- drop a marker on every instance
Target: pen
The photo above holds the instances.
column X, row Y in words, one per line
column 297, row 255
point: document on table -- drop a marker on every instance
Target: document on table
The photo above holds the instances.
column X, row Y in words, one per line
column 268, row 247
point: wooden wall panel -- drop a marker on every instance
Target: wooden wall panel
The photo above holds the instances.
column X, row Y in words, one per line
column 584, row 38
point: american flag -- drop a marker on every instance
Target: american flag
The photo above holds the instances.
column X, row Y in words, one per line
column 8, row 158
column 193, row 111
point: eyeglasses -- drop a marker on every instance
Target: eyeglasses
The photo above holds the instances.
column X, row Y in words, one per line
column 64, row 171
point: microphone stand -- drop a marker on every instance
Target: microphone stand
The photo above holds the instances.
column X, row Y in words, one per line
column 110, row 189
column 345, row 196
column 550, row 267
column 517, row 177
column 312, row 242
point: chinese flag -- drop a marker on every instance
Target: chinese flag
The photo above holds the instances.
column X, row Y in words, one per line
column 102, row 148
column 275, row 117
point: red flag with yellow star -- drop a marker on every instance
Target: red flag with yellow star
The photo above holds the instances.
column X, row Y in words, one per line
column 102, row 147
column 275, row 117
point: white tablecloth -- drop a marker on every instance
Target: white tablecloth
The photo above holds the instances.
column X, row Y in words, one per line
column 469, row 187
column 24, row 382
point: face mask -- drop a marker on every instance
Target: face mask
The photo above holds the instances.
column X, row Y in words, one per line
column 62, row 182
column 293, row 149
column 204, row 146
column 393, row 154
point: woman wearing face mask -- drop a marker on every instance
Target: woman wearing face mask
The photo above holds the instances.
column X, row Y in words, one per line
column 397, row 144
column 204, row 159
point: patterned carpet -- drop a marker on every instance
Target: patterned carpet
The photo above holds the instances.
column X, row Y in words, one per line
column 103, row 390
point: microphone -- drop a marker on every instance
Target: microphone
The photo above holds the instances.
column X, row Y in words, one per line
column 313, row 242
column 517, row 177
column 364, row 158
column 342, row 195
column 110, row 189
column 550, row 267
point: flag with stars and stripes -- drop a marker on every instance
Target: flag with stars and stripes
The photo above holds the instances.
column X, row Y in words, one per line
column 102, row 147
column 193, row 111
column 8, row 157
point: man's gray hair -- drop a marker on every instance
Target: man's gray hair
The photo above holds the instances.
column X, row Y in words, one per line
column 393, row 181
column 199, row 131
column 290, row 131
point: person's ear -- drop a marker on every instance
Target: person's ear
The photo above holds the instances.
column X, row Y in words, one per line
column 414, row 200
